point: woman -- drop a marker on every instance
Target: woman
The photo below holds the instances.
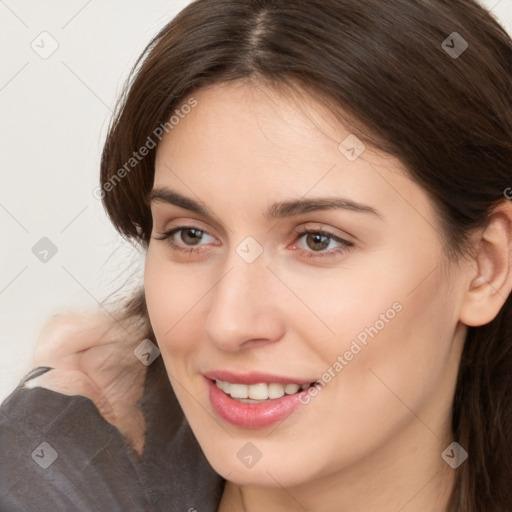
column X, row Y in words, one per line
column 320, row 189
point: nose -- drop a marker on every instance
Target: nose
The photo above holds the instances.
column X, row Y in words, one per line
column 245, row 308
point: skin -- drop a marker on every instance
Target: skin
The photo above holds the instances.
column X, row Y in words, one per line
column 372, row 439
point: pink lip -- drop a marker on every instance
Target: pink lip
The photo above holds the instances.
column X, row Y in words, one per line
column 252, row 415
column 254, row 378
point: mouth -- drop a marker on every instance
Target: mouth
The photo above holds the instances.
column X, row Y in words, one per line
column 256, row 403
column 260, row 392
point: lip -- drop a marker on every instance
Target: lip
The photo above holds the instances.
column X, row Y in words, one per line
column 254, row 378
column 252, row 415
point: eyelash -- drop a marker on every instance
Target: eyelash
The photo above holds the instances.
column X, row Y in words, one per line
column 298, row 233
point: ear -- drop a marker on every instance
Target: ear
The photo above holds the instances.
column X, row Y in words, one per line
column 490, row 273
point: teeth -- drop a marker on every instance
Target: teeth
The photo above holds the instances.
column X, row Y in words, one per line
column 277, row 390
column 238, row 391
column 261, row 391
column 290, row 389
column 256, row 391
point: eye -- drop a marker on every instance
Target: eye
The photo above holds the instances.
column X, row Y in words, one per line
column 189, row 236
column 313, row 243
column 318, row 243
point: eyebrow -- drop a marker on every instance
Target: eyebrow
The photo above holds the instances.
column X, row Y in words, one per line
column 278, row 210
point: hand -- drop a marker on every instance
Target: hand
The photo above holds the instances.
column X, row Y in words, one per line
column 92, row 355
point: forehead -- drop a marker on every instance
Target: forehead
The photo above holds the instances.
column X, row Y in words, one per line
column 245, row 125
column 243, row 141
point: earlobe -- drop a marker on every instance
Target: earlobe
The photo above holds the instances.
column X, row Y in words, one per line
column 491, row 271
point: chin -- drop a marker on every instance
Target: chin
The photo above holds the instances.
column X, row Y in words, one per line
column 275, row 469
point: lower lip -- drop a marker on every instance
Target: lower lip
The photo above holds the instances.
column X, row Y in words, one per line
column 252, row 415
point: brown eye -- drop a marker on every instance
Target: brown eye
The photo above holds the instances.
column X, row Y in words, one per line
column 320, row 243
column 317, row 241
column 186, row 238
column 191, row 236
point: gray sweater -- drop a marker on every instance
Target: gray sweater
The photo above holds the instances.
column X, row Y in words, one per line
column 57, row 453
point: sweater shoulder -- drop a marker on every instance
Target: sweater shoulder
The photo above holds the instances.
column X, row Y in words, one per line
column 58, row 453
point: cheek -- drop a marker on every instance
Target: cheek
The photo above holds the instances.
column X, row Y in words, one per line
column 173, row 292
column 395, row 367
column 391, row 337
column 414, row 352
column 394, row 311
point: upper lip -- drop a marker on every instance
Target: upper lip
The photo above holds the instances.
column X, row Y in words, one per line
column 254, row 378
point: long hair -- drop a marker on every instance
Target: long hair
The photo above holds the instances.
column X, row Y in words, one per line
column 427, row 81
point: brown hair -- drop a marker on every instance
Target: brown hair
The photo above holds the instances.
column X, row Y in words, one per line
column 382, row 64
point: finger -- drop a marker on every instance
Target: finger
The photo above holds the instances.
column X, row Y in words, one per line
column 69, row 334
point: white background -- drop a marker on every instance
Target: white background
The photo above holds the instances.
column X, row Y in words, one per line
column 54, row 115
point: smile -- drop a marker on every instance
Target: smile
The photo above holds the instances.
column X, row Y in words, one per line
column 255, row 405
column 262, row 391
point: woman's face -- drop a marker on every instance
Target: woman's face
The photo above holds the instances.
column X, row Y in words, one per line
column 364, row 302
